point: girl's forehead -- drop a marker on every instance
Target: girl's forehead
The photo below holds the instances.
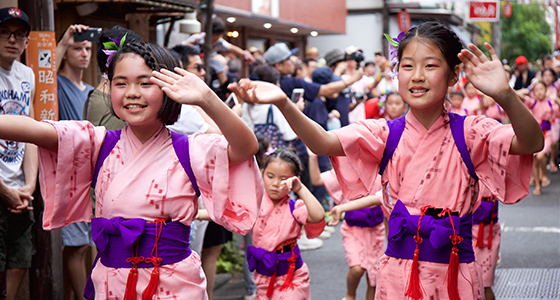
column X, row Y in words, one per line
column 420, row 48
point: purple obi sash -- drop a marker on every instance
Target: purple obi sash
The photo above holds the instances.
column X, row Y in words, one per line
column 365, row 217
column 483, row 214
column 118, row 239
column 545, row 125
column 436, row 233
column 266, row 262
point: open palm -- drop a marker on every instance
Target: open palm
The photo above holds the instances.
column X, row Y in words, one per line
column 487, row 75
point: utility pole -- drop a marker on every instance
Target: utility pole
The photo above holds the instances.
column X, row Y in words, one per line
column 497, row 36
column 45, row 274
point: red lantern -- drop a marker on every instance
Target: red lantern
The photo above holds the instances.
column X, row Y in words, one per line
column 507, row 9
column 404, row 20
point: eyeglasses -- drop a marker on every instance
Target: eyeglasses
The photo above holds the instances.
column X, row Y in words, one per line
column 7, row 34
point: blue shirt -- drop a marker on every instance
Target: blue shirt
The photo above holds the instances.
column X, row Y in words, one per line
column 288, row 84
column 71, row 99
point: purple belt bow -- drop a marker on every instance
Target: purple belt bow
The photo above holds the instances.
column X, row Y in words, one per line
column 436, row 233
column 266, row 262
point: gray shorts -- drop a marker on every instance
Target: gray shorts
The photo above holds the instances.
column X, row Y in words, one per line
column 76, row 234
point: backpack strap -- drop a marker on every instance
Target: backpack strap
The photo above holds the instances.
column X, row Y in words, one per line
column 457, row 125
column 270, row 116
column 396, row 128
column 111, row 139
column 181, row 147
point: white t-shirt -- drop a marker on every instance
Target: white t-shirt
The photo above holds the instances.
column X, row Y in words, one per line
column 189, row 122
column 16, row 88
column 257, row 113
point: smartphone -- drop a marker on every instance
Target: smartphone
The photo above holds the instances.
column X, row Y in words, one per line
column 231, row 101
column 92, row 34
column 297, row 93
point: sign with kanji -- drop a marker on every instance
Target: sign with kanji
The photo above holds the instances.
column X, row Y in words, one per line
column 484, row 11
column 41, row 57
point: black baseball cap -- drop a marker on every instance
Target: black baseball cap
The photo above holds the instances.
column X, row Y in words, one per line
column 10, row 13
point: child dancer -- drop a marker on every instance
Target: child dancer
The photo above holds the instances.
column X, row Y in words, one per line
column 280, row 272
column 471, row 102
column 428, row 189
column 146, row 191
column 456, row 107
column 542, row 109
column 394, row 106
column 363, row 230
column 548, row 77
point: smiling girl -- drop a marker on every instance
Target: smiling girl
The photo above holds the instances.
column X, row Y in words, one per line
column 148, row 185
column 428, row 191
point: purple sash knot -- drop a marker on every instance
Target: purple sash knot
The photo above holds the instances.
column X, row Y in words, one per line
column 118, row 239
column 545, row 125
column 436, row 233
column 483, row 214
column 365, row 217
column 266, row 262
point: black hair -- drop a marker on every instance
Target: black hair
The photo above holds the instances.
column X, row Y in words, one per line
column 218, row 25
column 551, row 71
column 264, row 143
column 156, row 58
column 458, row 93
column 185, row 51
column 438, row 35
column 307, row 60
column 287, row 156
column 115, row 33
column 267, row 73
column 369, row 62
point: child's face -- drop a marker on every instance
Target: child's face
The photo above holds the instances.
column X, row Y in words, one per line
column 394, row 106
column 539, row 91
column 424, row 76
column 134, row 97
column 547, row 78
column 456, row 101
column 275, row 172
column 470, row 90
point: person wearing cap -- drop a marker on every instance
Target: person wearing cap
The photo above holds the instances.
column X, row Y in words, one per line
column 18, row 161
column 336, row 61
column 524, row 73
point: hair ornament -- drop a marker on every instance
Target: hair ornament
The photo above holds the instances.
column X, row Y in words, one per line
column 272, row 151
column 393, row 51
column 112, row 47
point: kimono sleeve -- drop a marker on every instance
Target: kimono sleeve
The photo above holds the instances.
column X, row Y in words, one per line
column 300, row 213
column 363, row 144
column 65, row 176
column 232, row 194
column 332, row 186
column 505, row 175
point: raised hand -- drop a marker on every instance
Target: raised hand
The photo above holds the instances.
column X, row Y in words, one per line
column 258, row 91
column 292, row 184
column 487, row 75
column 183, row 87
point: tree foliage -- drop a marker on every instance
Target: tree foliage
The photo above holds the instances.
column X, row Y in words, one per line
column 526, row 32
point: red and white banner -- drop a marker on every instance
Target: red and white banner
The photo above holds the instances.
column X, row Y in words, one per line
column 484, row 11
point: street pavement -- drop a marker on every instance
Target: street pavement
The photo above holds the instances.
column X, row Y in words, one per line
column 529, row 255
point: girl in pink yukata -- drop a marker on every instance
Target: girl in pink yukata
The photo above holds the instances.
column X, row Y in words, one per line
column 394, row 106
column 471, row 102
column 146, row 192
column 280, row 273
column 363, row 232
column 428, row 189
column 456, row 103
column 542, row 109
column 548, row 77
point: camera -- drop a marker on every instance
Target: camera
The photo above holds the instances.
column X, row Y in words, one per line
column 357, row 56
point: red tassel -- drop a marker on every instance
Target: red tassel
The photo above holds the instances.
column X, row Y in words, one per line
column 130, row 291
column 480, row 238
column 490, row 233
column 288, row 284
column 453, row 274
column 151, row 289
column 271, row 285
column 415, row 290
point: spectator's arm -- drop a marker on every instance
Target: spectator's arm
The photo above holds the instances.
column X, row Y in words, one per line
column 66, row 41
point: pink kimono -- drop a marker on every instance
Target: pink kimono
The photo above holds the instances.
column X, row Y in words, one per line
column 472, row 105
column 543, row 111
column 426, row 169
column 146, row 181
column 460, row 111
column 552, row 93
column 487, row 257
column 276, row 227
column 363, row 245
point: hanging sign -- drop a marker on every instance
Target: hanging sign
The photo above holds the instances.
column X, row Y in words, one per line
column 404, row 20
column 484, row 11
